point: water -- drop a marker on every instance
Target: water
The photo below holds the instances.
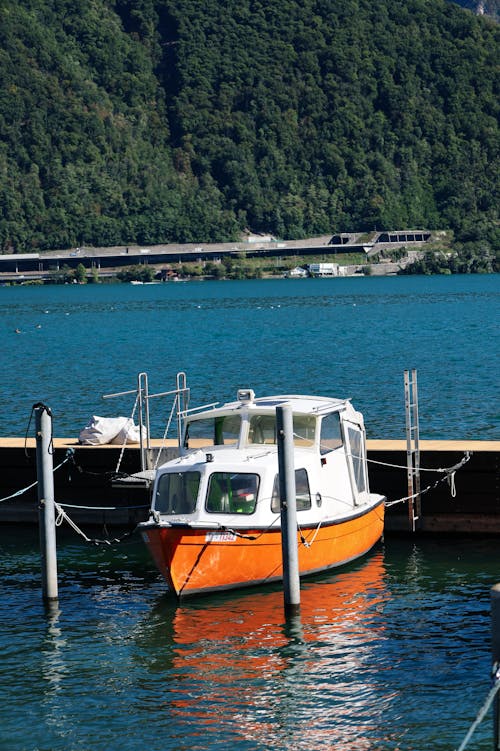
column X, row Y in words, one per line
column 391, row 653
column 339, row 337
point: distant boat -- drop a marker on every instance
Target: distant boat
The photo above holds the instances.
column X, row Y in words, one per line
column 215, row 516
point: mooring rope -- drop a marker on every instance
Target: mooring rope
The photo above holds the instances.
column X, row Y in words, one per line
column 102, row 508
column 449, row 477
column 482, row 712
column 69, row 456
column 165, row 433
column 19, row 492
column 40, row 405
column 248, row 537
column 467, row 455
column 125, row 434
column 308, row 543
column 62, row 516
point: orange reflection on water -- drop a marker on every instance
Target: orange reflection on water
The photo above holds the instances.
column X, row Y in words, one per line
column 300, row 683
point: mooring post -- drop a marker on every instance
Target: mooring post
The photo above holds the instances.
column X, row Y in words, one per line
column 288, row 506
column 46, row 513
column 495, row 657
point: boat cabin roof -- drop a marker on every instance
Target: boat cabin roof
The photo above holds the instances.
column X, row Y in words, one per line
column 301, row 404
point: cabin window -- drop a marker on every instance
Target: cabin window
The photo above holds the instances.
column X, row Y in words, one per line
column 232, row 493
column 331, row 435
column 263, row 430
column 214, row 431
column 302, row 492
column 176, row 493
column 304, row 430
column 358, row 458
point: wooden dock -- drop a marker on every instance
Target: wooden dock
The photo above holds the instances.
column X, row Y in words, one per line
column 87, row 482
column 475, row 509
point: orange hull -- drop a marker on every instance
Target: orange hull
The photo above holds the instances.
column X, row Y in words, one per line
column 196, row 561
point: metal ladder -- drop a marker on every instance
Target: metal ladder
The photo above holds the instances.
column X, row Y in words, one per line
column 412, row 447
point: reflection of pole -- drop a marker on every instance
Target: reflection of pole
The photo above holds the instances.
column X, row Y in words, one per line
column 495, row 656
column 46, row 515
column 288, row 501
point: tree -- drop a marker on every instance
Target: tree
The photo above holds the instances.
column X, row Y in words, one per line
column 138, row 273
column 80, row 274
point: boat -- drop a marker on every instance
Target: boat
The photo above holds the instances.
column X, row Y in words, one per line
column 215, row 517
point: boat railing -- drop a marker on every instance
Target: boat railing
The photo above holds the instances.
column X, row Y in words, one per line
column 178, row 410
column 202, row 407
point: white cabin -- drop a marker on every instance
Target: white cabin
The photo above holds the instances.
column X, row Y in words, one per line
column 228, row 467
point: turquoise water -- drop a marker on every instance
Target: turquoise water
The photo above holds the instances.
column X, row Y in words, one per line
column 342, row 337
column 390, row 654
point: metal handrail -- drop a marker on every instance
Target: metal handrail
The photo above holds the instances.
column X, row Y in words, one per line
column 182, row 393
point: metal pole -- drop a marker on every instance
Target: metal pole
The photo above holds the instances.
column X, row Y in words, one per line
column 495, row 657
column 416, row 429
column 141, row 422
column 46, row 515
column 288, row 505
column 143, row 391
column 412, row 448
column 146, row 398
column 182, row 404
column 409, row 454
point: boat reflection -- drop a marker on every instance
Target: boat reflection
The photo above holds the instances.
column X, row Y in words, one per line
column 307, row 682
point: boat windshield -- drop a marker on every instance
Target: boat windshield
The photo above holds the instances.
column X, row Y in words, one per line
column 213, row 431
column 177, row 492
column 263, row 429
column 232, row 493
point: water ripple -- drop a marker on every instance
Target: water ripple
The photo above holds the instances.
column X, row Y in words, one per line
column 390, row 653
column 342, row 337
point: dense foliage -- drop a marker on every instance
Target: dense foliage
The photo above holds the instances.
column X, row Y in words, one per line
column 468, row 258
column 140, row 273
column 482, row 7
column 148, row 121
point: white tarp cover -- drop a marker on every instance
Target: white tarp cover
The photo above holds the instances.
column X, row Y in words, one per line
column 115, row 430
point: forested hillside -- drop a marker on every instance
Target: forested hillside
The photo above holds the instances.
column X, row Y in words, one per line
column 148, row 121
column 482, row 7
